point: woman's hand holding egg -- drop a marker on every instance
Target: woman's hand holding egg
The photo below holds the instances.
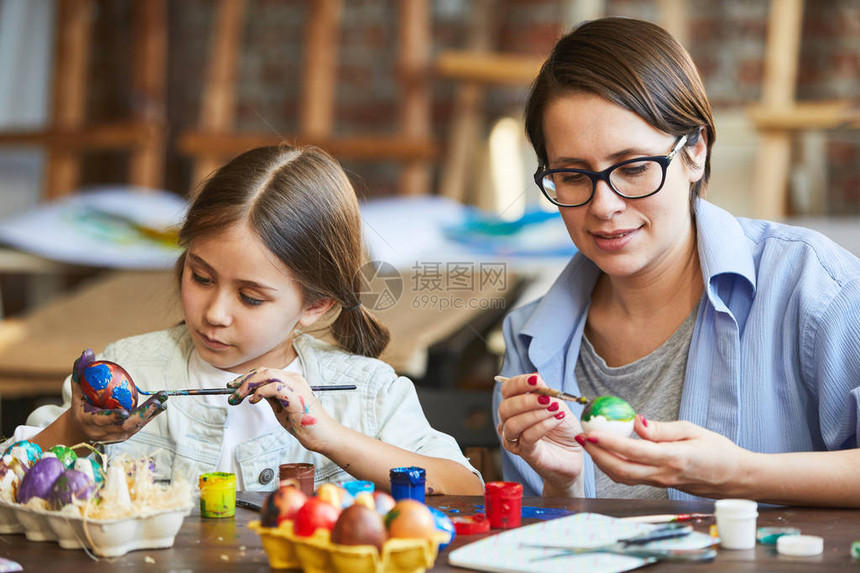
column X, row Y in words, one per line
column 680, row 454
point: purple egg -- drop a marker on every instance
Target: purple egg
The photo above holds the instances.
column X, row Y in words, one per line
column 39, row 480
column 71, row 485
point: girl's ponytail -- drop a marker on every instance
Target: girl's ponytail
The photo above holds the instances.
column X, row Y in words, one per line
column 358, row 331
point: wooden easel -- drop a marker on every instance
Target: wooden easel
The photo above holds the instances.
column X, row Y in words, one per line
column 70, row 135
column 779, row 116
column 479, row 67
column 215, row 139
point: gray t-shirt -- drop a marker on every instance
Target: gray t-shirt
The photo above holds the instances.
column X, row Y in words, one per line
column 652, row 385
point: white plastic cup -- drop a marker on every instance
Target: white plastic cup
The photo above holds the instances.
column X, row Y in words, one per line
column 736, row 519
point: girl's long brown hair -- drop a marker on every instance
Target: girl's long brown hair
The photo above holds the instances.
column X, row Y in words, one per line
column 304, row 209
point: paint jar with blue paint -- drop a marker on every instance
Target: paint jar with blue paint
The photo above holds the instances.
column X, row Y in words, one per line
column 217, row 494
column 407, row 483
column 357, row 486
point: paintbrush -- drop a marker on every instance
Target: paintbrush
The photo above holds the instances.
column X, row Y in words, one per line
column 561, row 395
column 552, row 392
column 667, row 517
column 209, row 391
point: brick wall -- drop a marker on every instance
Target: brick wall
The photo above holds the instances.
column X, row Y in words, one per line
column 726, row 41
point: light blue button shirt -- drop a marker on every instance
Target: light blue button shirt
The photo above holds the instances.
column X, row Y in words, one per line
column 774, row 361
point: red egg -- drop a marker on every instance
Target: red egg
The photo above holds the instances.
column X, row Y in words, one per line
column 107, row 385
column 281, row 505
column 359, row 525
column 313, row 515
column 410, row 519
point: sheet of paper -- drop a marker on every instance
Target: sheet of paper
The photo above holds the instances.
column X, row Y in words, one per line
column 403, row 231
column 106, row 227
column 505, row 552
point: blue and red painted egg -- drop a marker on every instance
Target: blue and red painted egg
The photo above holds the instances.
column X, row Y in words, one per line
column 107, row 385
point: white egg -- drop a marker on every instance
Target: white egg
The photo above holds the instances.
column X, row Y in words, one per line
column 599, row 423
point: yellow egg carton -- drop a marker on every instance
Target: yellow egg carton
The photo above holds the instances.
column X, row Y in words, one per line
column 317, row 554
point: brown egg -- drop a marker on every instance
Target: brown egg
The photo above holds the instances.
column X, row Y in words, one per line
column 410, row 519
column 359, row 525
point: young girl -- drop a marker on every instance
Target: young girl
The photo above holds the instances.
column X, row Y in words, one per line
column 273, row 245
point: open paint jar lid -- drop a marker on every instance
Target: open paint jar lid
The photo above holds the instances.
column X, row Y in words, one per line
column 800, row 545
column 471, row 524
column 769, row 535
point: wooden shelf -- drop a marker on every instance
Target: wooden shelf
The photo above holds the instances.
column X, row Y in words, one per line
column 812, row 115
column 122, row 135
column 488, row 68
column 200, row 143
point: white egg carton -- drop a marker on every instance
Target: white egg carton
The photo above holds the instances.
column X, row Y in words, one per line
column 104, row 537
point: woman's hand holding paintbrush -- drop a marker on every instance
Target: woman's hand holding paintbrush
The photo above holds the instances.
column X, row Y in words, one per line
column 542, row 430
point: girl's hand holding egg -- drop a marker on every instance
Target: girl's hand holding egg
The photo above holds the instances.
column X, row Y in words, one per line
column 104, row 401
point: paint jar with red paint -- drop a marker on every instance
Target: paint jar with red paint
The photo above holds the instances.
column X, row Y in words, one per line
column 301, row 474
column 407, row 483
column 503, row 501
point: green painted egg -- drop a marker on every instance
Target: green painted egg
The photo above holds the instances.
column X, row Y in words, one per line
column 608, row 414
column 65, row 454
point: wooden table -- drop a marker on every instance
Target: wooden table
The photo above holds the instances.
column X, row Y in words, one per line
column 228, row 545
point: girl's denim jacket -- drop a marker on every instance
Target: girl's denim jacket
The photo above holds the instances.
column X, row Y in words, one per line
column 185, row 440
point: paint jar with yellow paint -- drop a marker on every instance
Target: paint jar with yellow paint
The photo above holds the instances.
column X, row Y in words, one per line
column 217, row 494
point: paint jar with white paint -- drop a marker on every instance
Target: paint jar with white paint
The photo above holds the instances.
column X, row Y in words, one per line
column 736, row 522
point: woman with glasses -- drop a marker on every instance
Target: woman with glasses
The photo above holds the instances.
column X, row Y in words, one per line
column 741, row 337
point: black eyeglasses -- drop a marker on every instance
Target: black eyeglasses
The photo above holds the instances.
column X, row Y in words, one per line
column 631, row 179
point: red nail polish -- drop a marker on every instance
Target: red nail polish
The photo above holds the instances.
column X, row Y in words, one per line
column 559, row 416
column 553, row 407
column 591, row 439
column 580, row 440
column 543, row 400
column 644, row 421
column 533, row 380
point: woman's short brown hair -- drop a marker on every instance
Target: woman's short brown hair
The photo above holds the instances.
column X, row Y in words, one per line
column 634, row 64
